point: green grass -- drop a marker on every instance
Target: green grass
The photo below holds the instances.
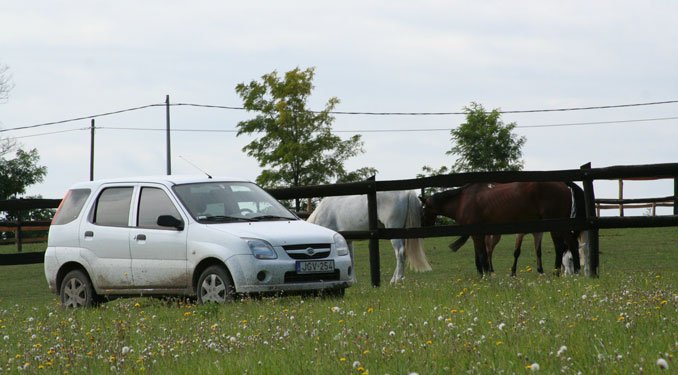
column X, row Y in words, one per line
column 440, row 322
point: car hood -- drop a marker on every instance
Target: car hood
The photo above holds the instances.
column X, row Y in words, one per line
column 279, row 233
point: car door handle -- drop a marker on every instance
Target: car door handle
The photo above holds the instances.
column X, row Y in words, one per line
column 89, row 233
column 140, row 237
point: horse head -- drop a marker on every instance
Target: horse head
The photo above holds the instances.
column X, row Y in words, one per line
column 428, row 211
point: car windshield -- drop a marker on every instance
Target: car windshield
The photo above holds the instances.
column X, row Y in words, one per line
column 223, row 202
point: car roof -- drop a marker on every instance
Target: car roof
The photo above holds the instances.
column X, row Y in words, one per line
column 167, row 180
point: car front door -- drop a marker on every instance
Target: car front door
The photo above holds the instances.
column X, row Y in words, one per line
column 158, row 253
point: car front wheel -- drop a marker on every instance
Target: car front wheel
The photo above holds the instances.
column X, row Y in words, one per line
column 214, row 285
column 76, row 290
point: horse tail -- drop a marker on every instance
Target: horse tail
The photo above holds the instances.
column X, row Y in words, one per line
column 414, row 247
column 580, row 212
column 314, row 215
column 456, row 245
column 578, row 203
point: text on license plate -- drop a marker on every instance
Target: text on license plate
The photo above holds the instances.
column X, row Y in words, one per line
column 315, row 266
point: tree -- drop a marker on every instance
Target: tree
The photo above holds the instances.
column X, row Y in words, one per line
column 297, row 147
column 5, row 83
column 22, row 171
column 484, row 143
column 19, row 173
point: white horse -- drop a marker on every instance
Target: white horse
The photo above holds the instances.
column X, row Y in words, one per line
column 395, row 209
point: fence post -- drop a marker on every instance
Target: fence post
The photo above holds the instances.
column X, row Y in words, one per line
column 593, row 243
column 374, row 226
column 621, row 196
column 17, row 233
column 675, row 195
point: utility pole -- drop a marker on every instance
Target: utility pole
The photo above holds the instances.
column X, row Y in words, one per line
column 91, row 152
column 169, row 150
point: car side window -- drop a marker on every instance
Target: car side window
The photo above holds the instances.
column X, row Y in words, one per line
column 113, row 207
column 154, row 202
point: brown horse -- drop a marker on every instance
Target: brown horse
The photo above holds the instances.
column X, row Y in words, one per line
column 483, row 203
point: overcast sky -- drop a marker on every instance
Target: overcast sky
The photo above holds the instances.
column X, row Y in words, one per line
column 70, row 59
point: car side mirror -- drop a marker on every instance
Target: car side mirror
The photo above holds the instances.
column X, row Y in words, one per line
column 170, row 221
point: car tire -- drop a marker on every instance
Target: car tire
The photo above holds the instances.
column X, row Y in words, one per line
column 76, row 290
column 214, row 285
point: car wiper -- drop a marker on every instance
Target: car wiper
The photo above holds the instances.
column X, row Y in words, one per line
column 271, row 217
column 223, row 218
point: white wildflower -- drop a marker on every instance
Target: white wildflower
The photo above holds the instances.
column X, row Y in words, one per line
column 534, row 367
column 661, row 362
column 562, row 350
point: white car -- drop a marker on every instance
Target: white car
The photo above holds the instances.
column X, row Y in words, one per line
column 178, row 235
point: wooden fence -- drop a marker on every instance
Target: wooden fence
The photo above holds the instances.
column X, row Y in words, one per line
column 621, row 204
column 19, row 227
column 585, row 174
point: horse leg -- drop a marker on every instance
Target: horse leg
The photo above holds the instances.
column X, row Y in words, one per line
column 482, row 265
column 399, row 248
column 573, row 246
column 559, row 245
column 584, row 260
column 491, row 242
column 537, row 250
column 516, row 253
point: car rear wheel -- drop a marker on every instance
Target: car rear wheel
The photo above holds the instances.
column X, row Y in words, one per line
column 215, row 286
column 76, row 290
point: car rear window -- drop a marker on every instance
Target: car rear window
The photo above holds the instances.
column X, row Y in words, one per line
column 70, row 206
column 113, row 206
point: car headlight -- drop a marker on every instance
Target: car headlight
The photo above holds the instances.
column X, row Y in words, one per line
column 340, row 244
column 261, row 249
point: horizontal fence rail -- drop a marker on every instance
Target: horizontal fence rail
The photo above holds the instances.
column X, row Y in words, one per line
column 19, row 227
column 585, row 174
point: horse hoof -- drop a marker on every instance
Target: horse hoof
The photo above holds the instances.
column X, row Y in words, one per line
column 395, row 281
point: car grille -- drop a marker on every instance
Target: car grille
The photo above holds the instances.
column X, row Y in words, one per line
column 293, row 277
column 308, row 251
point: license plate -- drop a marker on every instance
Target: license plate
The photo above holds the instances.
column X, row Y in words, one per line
column 315, row 266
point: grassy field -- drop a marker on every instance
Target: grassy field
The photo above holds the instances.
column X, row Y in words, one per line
column 440, row 322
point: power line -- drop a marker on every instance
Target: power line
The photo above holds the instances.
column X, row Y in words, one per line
column 598, row 122
column 424, row 130
column 341, row 112
column 452, row 113
column 82, row 118
column 49, row 133
column 403, row 130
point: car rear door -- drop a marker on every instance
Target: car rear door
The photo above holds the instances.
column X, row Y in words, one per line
column 104, row 237
column 158, row 253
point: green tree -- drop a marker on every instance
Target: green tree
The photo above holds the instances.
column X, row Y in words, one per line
column 22, row 171
column 484, row 143
column 296, row 146
column 19, row 173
